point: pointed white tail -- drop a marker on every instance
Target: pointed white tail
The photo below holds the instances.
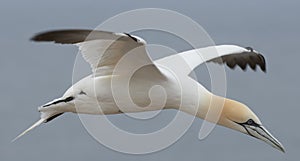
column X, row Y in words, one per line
column 30, row 128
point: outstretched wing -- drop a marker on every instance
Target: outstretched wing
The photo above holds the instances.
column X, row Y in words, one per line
column 232, row 55
column 101, row 49
column 242, row 58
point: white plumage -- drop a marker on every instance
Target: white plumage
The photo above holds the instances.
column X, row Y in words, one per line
column 123, row 71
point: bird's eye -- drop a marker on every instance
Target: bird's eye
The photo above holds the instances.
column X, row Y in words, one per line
column 250, row 122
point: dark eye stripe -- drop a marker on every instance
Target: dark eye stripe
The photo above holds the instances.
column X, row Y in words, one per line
column 251, row 123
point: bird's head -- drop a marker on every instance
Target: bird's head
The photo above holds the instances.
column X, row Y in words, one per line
column 239, row 117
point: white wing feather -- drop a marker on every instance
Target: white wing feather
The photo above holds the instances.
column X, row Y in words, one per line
column 232, row 55
column 101, row 49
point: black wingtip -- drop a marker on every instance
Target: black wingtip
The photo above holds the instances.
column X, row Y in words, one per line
column 262, row 65
column 64, row 36
column 263, row 68
column 44, row 36
column 37, row 37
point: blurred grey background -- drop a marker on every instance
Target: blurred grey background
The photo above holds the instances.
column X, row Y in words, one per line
column 33, row 74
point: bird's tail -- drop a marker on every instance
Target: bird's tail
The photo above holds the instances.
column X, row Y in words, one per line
column 40, row 121
column 45, row 117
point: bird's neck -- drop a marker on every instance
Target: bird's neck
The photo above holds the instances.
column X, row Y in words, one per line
column 211, row 108
column 222, row 110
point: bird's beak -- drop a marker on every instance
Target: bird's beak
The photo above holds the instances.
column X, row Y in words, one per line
column 263, row 134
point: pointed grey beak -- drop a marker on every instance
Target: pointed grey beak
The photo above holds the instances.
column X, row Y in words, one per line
column 263, row 134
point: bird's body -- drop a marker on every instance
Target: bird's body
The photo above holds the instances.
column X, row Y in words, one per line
column 94, row 95
column 126, row 80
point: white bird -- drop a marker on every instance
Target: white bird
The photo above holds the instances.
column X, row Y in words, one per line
column 105, row 52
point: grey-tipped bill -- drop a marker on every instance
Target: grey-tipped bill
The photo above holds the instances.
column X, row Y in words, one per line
column 263, row 134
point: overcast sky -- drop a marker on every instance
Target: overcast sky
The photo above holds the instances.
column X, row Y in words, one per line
column 33, row 74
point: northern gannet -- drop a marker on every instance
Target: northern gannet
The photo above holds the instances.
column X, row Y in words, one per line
column 103, row 50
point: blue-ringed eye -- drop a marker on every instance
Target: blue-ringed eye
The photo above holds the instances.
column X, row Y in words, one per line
column 250, row 122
